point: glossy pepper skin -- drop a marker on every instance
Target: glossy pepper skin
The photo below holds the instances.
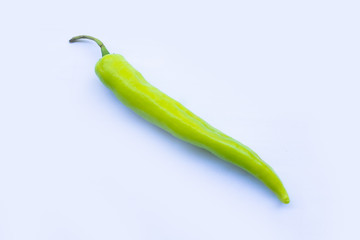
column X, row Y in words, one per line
column 135, row 92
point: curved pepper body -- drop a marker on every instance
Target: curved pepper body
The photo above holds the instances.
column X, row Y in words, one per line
column 155, row 106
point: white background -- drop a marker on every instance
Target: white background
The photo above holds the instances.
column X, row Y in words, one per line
column 280, row 76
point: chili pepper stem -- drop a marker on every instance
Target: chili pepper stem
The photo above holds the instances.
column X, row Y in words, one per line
column 104, row 51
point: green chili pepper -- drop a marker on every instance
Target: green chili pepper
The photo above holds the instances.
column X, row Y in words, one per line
column 134, row 91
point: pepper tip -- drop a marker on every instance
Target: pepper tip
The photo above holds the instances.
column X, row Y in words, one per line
column 286, row 200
